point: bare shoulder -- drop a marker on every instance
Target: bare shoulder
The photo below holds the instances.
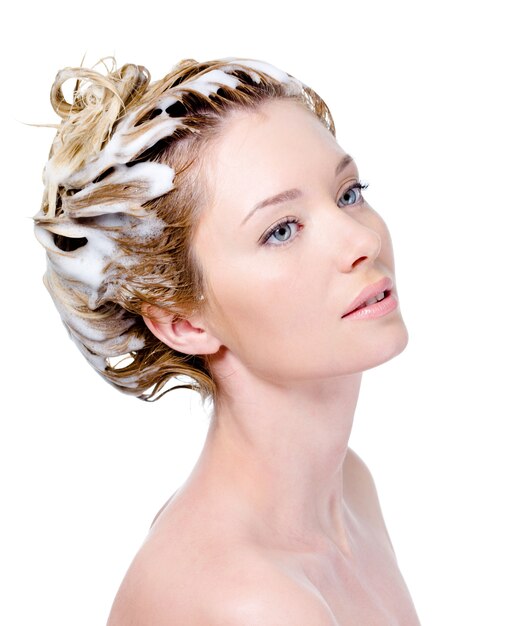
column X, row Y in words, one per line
column 360, row 490
column 275, row 602
column 223, row 589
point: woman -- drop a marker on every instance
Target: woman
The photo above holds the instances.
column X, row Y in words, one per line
column 209, row 225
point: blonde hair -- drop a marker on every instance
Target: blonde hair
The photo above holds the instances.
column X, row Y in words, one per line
column 123, row 194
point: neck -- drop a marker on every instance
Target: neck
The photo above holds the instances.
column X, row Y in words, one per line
column 277, row 452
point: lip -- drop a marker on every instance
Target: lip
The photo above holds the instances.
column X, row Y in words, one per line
column 384, row 284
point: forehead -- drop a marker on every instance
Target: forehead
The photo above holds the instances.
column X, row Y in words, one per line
column 281, row 144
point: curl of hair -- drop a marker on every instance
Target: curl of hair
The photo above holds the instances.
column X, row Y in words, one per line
column 123, row 195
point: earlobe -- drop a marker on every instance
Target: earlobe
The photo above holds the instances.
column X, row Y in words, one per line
column 178, row 333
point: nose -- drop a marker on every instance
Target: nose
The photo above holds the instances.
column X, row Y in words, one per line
column 355, row 243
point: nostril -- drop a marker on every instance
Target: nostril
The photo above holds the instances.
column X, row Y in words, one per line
column 358, row 260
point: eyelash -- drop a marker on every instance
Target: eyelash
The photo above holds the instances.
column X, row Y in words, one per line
column 294, row 220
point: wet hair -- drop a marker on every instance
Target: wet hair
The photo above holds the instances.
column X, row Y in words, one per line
column 123, row 193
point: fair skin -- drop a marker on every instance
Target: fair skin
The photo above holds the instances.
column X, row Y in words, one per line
column 279, row 521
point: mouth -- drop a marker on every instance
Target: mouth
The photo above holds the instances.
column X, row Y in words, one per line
column 371, row 294
column 373, row 300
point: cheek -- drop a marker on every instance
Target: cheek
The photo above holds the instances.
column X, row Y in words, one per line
column 263, row 296
column 376, row 222
column 266, row 304
column 386, row 253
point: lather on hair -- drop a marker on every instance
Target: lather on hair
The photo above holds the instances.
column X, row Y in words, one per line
column 99, row 181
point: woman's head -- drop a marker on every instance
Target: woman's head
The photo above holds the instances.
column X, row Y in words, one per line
column 286, row 243
column 126, row 187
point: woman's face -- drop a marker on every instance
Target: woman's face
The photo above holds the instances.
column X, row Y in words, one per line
column 278, row 291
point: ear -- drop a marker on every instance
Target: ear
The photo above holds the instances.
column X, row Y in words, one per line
column 188, row 336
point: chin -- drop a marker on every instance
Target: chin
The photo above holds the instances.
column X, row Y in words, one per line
column 390, row 347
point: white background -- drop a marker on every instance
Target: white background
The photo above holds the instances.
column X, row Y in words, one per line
column 423, row 98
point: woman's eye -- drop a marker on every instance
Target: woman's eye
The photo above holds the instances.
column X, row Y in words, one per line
column 281, row 232
column 353, row 194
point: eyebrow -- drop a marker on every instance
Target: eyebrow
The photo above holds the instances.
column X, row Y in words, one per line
column 292, row 194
